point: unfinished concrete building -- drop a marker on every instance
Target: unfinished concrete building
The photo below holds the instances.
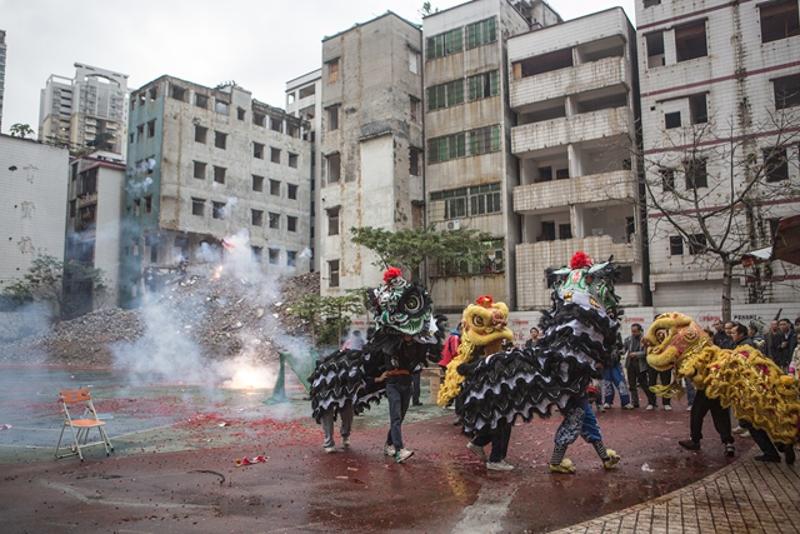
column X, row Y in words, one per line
column 95, row 197
column 574, row 91
column 206, row 163
column 371, row 144
column 304, row 100
column 2, row 72
column 470, row 172
column 720, row 97
column 88, row 111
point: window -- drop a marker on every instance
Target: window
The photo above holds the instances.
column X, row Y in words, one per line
column 258, row 253
column 177, row 92
column 274, row 256
column 275, row 155
column 137, row 207
column 697, row 244
column 655, row 49
column 483, row 85
column 481, row 33
column 131, row 138
column 698, row 109
column 414, row 155
column 221, row 107
column 333, row 70
column 198, row 206
column 152, row 93
column 333, row 117
column 564, row 231
column 200, row 134
column 473, row 201
column 651, row 3
column 140, row 132
column 413, row 61
column 291, row 223
column 446, row 95
column 776, row 165
column 787, row 91
column 333, row 220
column 445, row 44
column 259, row 119
column 675, row 245
column 696, row 176
column 291, row 258
column 333, row 163
column 446, row 148
column 292, row 160
column 484, row 140
column 258, row 183
column 276, row 124
column 413, row 102
column 667, row 179
column 672, row 120
column 292, row 129
column 274, row 220
column 257, row 217
column 562, row 174
column 333, row 273
column 779, row 20
column 220, row 140
column 274, row 188
column 201, row 101
column 148, row 204
column 308, row 90
column 199, row 170
column 151, row 128
column 690, row 40
column 291, row 192
column 258, row 150
column 218, row 210
column 240, row 113
column 219, row 174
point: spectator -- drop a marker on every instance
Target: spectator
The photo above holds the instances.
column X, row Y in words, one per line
column 636, row 367
column 533, row 339
column 450, row 349
column 719, row 337
column 786, row 345
column 613, row 378
column 794, row 365
column 666, row 379
column 772, row 339
column 729, row 344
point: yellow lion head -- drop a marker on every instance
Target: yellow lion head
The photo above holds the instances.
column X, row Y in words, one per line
column 670, row 338
column 486, row 322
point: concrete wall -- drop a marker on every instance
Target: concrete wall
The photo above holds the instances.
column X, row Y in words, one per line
column 33, row 178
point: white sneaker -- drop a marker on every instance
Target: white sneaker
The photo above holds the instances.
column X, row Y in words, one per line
column 650, row 407
column 606, row 406
column 346, row 442
column 667, row 408
column 738, row 430
column 499, row 466
column 689, row 408
column 388, row 450
column 477, row 451
column 329, row 450
column 402, row 455
column 628, row 406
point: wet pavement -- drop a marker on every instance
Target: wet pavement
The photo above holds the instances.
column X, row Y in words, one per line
column 176, row 445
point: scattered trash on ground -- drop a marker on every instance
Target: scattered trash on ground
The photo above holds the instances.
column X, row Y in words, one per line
column 647, row 469
column 241, row 462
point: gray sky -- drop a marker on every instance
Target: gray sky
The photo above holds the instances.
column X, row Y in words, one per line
column 260, row 45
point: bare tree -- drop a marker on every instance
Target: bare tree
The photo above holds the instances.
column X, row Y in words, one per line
column 721, row 190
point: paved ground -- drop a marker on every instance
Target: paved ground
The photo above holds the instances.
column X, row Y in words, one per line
column 174, row 471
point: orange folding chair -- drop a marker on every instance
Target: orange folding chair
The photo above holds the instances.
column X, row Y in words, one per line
column 80, row 427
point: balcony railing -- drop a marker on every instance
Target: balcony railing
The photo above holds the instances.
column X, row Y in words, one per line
column 582, row 127
column 592, row 188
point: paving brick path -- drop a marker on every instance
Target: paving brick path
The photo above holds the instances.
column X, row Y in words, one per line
column 747, row 496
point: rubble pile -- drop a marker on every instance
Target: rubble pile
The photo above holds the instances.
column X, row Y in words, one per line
column 292, row 290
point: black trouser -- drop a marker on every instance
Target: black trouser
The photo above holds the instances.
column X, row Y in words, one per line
column 652, row 379
column 638, row 378
column 398, row 391
column 721, row 417
column 499, row 438
column 415, row 384
column 761, row 438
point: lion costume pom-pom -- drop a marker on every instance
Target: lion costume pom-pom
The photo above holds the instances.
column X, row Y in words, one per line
column 580, row 260
column 390, row 274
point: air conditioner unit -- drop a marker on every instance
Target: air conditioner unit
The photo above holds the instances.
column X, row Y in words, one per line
column 454, row 225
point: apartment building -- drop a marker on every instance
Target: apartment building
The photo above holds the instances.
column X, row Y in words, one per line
column 304, row 100
column 88, row 111
column 720, row 98
column 95, row 197
column 470, row 172
column 370, row 144
column 206, row 163
column 33, row 178
column 2, row 71
column 574, row 93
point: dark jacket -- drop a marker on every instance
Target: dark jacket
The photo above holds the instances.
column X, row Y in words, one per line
column 722, row 340
column 784, row 348
column 637, row 356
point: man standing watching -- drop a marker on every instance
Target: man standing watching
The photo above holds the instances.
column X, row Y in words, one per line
column 636, row 367
column 787, row 341
column 534, row 339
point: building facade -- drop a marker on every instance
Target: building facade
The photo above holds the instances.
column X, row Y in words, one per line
column 33, row 178
column 720, row 99
column 304, row 100
column 3, row 49
column 94, row 217
column 204, row 164
column 470, row 172
column 88, row 111
column 574, row 93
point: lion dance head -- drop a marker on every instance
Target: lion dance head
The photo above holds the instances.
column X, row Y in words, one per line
column 670, row 338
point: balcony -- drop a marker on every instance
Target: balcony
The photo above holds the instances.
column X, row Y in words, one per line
column 615, row 185
column 606, row 72
column 529, row 138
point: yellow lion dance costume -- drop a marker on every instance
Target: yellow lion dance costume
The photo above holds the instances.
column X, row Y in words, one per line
column 484, row 325
column 741, row 378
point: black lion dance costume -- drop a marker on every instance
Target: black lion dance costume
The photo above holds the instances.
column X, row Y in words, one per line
column 345, row 382
column 580, row 334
